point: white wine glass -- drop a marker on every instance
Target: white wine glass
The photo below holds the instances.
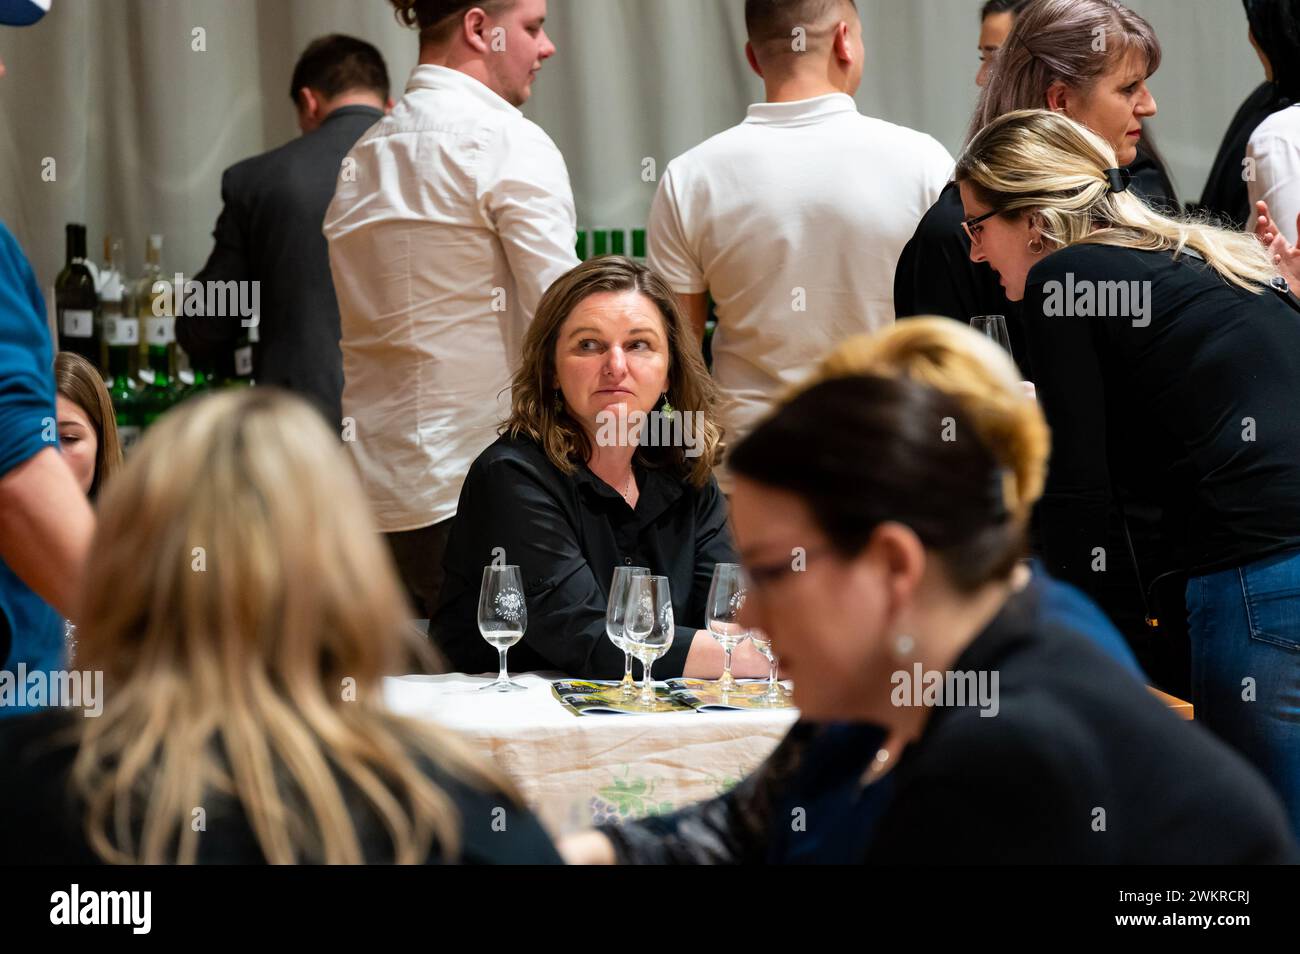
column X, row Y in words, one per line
column 502, row 618
column 722, row 614
column 648, row 627
column 618, row 587
column 995, row 327
column 775, row 695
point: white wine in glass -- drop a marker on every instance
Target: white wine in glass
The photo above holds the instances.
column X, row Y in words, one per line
column 722, row 614
column 614, row 610
column 648, row 627
column 502, row 618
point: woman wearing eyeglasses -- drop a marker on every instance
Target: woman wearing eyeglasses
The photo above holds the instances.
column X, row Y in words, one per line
column 1048, row 60
column 1054, row 754
column 1169, row 357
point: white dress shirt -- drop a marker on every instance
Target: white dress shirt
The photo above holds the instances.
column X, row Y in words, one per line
column 794, row 221
column 452, row 216
column 1275, row 147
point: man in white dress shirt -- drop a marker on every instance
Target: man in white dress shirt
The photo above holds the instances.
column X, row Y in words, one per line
column 451, row 217
column 795, row 219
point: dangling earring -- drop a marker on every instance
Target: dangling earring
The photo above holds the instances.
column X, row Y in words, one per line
column 1035, row 251
column 667, row 410
column 903, row 646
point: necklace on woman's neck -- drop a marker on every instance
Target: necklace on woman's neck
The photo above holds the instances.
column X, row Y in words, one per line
column 627, row 489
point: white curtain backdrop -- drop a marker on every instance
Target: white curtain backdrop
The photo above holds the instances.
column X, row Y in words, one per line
column 139, row 123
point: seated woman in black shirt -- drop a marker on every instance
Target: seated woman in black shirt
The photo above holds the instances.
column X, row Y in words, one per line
column 570, row 491
column 1168, row 368
column 1048, row 61
column 242, row 612
column 1033, row 746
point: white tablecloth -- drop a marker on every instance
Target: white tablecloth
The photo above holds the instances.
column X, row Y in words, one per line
column 578, row 770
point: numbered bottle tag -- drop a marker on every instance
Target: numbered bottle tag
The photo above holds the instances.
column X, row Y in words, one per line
column 122, row 331
column 161, row 331
column 244, row 361
column 78, row 324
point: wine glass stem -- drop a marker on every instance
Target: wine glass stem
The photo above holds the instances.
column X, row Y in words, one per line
column 503, row 676
column 771, row 675
column 726, row 665
column 647, row 686
column 627, row 668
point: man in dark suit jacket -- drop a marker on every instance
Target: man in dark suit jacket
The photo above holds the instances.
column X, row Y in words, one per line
column 269, row 231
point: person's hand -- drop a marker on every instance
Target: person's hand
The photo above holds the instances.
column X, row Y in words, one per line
column 586, row 848
column 1029, row 390
column 1285, row 255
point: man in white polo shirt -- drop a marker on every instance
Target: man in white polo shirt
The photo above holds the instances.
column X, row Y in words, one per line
column 452, row 215
column 794, row 220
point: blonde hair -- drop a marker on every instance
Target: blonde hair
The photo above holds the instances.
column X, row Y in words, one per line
column 537, row 410
column 1040, row 162
column 243, row 611
column 950, row 357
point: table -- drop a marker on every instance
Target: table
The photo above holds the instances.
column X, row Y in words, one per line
column 576, row 771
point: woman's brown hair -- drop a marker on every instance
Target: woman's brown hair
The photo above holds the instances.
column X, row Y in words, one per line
column 1058, row 40
column 537, row 412
column 79, row 382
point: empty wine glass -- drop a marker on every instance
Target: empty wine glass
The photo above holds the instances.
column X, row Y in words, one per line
column 722, row 614
column 502, row 617
column 763, row 643
column 995, row 327
column 648, row 627
column 618, row 588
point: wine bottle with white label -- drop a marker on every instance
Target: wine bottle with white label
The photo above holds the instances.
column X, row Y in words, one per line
column 74, row 297
column 121, row 334
column 153, row 301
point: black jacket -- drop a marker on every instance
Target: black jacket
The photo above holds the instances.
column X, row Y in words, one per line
column 1081, row 764
column 566, row 533
column 269, row 231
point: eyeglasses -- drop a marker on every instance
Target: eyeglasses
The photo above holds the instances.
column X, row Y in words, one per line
column 973, row 227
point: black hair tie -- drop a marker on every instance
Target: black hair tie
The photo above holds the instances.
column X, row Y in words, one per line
column 1119, row 179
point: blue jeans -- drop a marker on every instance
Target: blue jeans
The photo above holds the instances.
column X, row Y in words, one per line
column 1244, row 625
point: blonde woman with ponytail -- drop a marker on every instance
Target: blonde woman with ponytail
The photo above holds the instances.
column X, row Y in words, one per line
column 1166, row 352
column 881, row 514
column 243, row 612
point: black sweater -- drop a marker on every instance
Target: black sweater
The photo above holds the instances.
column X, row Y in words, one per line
column 1192, row 404
column 566, row 533
column 1081, row 764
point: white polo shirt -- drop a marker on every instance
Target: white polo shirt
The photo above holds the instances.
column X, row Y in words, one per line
column 452, row 215
column 794, row 221
column 1275, row 147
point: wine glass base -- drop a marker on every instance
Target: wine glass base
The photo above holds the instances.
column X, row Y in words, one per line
column 503, row 685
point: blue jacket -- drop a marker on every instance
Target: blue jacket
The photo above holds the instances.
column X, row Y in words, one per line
column 31, row 632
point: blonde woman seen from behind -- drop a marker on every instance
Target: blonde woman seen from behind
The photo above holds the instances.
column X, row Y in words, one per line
column 243, row 612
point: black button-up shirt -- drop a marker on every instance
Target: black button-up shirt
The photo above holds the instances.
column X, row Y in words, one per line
column 567, row 533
